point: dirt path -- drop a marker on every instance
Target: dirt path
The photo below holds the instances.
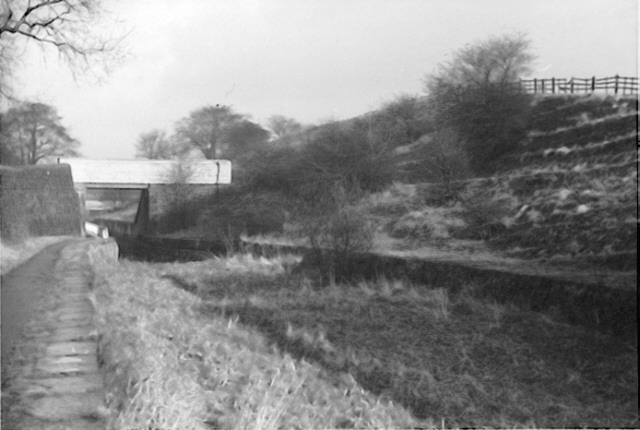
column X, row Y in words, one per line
column 23, row 291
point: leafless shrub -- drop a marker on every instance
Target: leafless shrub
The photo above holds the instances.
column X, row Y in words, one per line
column 445, row 161
column 485, row 214
column 174, row 198
column 335, row 228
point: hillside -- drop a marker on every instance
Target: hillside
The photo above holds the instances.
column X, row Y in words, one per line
column 578, row 177
column 568, row 190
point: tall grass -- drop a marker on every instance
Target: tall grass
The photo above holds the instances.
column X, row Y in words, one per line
column 169, row 365
column 457, row 358
column 226, row 343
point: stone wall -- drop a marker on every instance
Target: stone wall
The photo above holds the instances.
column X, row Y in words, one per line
column 38, row 201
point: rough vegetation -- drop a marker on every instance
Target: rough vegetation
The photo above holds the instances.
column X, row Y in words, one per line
column 575, row 187
column 170, row 364
column 226, row 341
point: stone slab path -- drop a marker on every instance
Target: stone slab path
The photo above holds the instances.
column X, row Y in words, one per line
column 51, row 379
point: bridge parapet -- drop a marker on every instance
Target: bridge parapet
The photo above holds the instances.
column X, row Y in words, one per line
column 134, row 174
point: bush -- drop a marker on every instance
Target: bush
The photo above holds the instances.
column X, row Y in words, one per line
column 335, row 228
column 237, row 211
column 356, row 152
column 181, row 213
column 177, row 217
column 487, row 216
column 429, row 223
column 341, row 235
column 411, row 226
column 350, row 153
column 272, row 169
column 439, row 194
column 395, row 201
column 178, row 209
column 445, row 161
column 475, row 95
column 491, row 120
column 403, row 120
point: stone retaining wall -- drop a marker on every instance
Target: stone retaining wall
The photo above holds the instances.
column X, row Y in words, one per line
column 38, row 201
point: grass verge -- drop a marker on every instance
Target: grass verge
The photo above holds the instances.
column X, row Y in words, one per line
column 13, row 255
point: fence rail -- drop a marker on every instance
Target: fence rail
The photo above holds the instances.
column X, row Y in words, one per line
column 615, row 84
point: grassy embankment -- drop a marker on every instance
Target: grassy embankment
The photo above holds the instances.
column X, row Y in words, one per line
column 255, row 347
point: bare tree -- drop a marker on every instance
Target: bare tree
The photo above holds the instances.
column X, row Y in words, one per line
column 219, row 132
column 32, row 132
column 154, row 145
column 475, row 95
column 205, row 129
column 8, row 60
column 281, row 126
column 499, row 60
column 67, row 26
column 243, row 140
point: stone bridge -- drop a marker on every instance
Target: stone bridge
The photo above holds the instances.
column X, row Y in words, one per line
column 140, row 175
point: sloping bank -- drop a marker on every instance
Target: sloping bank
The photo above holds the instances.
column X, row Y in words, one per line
column 590, row 304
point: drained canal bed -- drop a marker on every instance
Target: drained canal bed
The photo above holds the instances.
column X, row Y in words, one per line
column 611, row 310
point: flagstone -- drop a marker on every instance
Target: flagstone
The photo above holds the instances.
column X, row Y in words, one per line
column 71, row 348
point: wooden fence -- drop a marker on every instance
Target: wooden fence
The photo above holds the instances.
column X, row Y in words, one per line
column 615, row 84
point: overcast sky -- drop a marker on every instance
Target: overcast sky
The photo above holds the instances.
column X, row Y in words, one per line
column 309, row 59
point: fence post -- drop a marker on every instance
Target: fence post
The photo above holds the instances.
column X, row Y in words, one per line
column 553, row 85
column 571, row 85
column 593, row 84
column 535, row 85
column 616, row 87
column 542, row 80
